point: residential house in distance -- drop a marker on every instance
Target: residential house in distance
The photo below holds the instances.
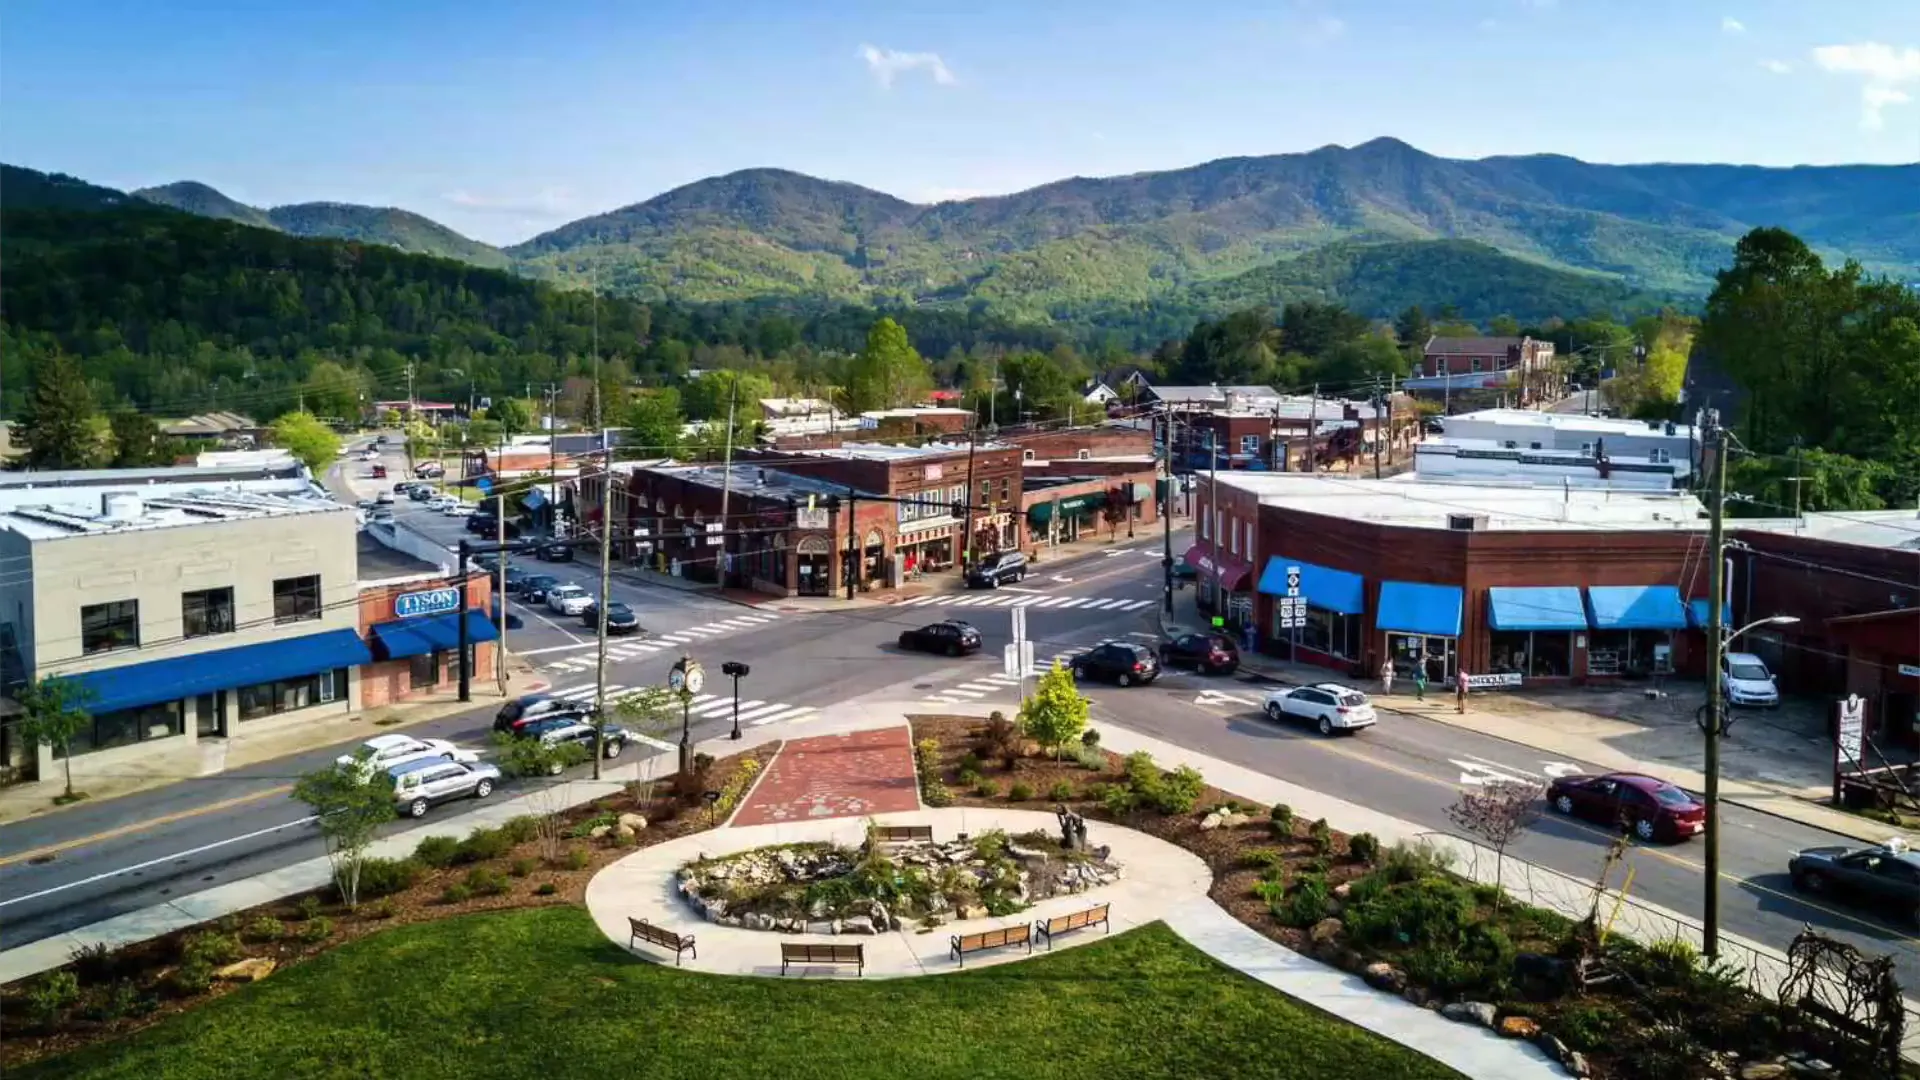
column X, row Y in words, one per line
column 1295, row 433
column 226, row 428
column 1520, row 367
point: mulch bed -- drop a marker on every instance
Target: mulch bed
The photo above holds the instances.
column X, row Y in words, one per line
column 146, row 964
column 1222, row 849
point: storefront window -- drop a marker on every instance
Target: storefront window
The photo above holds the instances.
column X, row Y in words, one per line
column 423, row 671
column 1415, row 652
column 287, row 695
column 1325, row 631
column 1629, row 652
column 113, row 625
column 126, row 727
column 1540, row 654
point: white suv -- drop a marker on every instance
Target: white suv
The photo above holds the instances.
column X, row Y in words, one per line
column 1745, row 680
column 568, row 599
column 385, row 751
column 1330, row 706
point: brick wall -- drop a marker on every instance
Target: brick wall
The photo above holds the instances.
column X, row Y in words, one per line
column 387, row 681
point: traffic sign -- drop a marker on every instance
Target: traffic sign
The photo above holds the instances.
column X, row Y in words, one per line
column 1293, row 581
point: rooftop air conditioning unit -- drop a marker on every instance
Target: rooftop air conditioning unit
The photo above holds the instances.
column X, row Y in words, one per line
column 1467, row 522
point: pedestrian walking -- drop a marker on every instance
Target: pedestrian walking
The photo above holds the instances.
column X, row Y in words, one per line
column 1460, row 691
column 1420, row 682
column 1386, row 677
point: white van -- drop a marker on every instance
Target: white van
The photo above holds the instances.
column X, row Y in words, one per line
column 1745, row 680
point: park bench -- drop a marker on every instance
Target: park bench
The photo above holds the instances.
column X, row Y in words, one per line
column 959, row 945
column 902, row 834
column 666, row 939
column 1079, row 920
column 800, row 952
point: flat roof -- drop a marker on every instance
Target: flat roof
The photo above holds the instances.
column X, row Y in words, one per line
column 751, row 479
column 135, row 512
column 378, row 562
column 867, row 451
column 1411, row 501
column 1895, row 529
column 1601, row 425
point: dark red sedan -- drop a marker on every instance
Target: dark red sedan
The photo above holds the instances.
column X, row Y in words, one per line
column 1653, row 809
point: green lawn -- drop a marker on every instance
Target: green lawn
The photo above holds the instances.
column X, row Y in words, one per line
column 540, row 993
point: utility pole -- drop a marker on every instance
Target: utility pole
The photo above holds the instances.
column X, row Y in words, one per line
column 410, row 409
column 1213, row 518
column 1796, row 478
column 726, row 485
column 1166, row 510
column 966, row 538
column 500, row 538
column 1313, row 422
column 1716, row 437
column 1379, row 430
column 606, row 549
column 853, row 552
column 553, row 445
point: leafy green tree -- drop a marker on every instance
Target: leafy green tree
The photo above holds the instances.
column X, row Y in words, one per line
column 887, row 373
column 52, row 711
column 705, row 398
column 655, row 424
column 1812, row 480
column 350, row 809
column 532, row 758
column 1314, row 330
column 422, row 442
column 305, row 437
column 136, row 440
column 57, row 424
column 652, row 712
column 513, row 415
column 484, row 431
column 1503, row 326
column 333, row 390
column 1056, row 714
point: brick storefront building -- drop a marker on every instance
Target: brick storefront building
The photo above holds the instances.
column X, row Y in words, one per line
column 1523, row 584
column 413, row 630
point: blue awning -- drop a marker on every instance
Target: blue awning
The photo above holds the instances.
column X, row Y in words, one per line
column 1413, row 608
column 1697, row 613
column 1636, row 607
column 1554, row 607
column 112, row 689
column 402, row 638
column 1334, row 590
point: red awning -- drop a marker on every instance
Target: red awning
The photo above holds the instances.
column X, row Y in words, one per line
column 1233, row 570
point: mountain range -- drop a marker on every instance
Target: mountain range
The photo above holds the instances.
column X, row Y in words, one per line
column 1376, row 226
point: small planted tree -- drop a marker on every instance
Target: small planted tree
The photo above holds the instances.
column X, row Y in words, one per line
column 652, row 712
column 351, row 810
column 1114, row 514
column 52, row 711
column 1056, row 714
column 1498, row 813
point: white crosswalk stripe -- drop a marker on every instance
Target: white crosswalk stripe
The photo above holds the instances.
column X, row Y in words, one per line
column 624, row 649
column 1032, row 600
column 753, row 711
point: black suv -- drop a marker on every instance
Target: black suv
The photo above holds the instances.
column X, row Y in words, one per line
column 951, row 638
column 997, row 569
column 556, row 551
column 1117, row 662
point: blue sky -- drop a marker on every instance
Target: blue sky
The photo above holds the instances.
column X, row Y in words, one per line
column 504, row 119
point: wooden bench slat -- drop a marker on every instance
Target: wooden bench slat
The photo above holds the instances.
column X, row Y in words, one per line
column 1079, row 920
column 806, row 952
column 643, row 930
column 890, row 834
column 959, row 945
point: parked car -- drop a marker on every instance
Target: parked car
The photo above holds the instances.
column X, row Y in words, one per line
column 536, row 586
column 950, row 638
column 366, row 504
column 1330, row 707
column 457, row 508
column 401, row 487
column 555, row 551
column 428, row 470
column 1653, row 809
column 378, row 472
column 386, row 751
column 1745, row 680
column 998, row 569
column 568, row 599
column 620, row 618
column 382, row 513
column 488, row 562
column 1884, row 876
column 1119, row 662
column 561, row 731
column 418, row 785
column 419, row 493
column 1210, row 654
column 529, row 708
column 441, row 502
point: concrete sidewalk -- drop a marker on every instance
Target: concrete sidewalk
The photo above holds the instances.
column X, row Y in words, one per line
column 1756, row 773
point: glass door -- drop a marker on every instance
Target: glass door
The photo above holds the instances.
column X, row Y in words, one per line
column 210, row 715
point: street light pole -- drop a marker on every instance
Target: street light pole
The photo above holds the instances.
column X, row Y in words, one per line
column 1715, row 437
column 737, row 670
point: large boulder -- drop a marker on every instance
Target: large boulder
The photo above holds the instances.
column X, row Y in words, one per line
column 632, row 821
column 858, row 924
column 252, row 969
column 1518, row 1027
column 1325, row 933
column 1470, row 1012
column 1384, row 976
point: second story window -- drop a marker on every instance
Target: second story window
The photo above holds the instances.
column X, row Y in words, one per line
column 296, row 599
column 1006, row 489
column 1249, row 444
column 112, row 625
column 205, row 612
column 1659, row 456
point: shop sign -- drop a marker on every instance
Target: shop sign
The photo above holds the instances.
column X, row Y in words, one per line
column 1912, row 670
column 815, row 519
column 935, row 472
column 1853, row 722
column 428, row 602
column 1493, row 681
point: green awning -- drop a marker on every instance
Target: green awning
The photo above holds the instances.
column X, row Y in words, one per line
column 1142, row 493
column 1042, row 513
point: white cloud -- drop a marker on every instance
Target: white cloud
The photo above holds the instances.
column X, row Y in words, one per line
column 1778, row 67
column 886, row 64
column 1731, row 25
column 1881, row 69
column 546, row 202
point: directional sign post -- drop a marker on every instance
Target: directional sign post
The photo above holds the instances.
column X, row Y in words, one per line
column 1846, row 744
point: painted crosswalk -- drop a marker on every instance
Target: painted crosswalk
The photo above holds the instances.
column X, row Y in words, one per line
column 999, row 682
column 753, row 711
column 619, row 649
column 1007, row 598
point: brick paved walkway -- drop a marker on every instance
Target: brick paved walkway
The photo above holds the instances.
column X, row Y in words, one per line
column 829, row 776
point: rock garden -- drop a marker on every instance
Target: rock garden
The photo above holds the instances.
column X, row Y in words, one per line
column 819, row 888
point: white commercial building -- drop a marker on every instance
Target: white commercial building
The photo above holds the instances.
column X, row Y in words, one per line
column 1561, row 448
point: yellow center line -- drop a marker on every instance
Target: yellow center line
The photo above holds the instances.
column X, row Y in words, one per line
column 1877, row 929
column 142, row 826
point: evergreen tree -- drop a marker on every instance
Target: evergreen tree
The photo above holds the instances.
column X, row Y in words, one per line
column 136, row 440
column 56, row 426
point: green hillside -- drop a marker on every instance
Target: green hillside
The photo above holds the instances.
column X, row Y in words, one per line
column 331, row 221
column 28, row 189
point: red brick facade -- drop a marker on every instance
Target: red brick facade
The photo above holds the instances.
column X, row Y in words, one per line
column 384, row 682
